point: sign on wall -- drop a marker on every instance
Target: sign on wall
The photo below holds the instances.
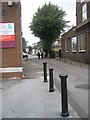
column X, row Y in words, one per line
column 7, row 36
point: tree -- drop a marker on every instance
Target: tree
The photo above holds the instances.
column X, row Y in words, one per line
column 24, row 44
column 47, row 24
column 30, row 49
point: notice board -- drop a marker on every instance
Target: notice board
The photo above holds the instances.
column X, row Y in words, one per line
column 7, row 36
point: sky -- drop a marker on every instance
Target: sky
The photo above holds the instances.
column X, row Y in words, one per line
column 29, row 7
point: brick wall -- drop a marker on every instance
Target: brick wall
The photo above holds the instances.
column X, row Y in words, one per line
column 12, row 57
column 75, row 56
column 79, row 11
column 88, row 9
column 84, row 56
column 81, row 56
column 67, row 36
column 88, row 44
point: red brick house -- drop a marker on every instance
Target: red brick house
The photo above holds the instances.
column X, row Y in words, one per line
column 10, row 41
column 76, row 42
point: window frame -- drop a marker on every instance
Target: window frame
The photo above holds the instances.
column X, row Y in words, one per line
column 84, row 12
column 66, row 46
column 81, row 42
column 75, row 42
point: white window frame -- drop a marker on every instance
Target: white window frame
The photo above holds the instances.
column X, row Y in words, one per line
column 66, row 46
column 84, row 12
column 74, row 41
column 81, row 43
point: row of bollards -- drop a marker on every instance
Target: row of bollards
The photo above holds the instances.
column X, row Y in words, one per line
column 51, row 86
column 63, row 77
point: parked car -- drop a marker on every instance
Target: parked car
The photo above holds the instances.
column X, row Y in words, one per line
column 25, row 55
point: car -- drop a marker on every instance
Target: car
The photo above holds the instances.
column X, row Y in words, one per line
column 25, row 55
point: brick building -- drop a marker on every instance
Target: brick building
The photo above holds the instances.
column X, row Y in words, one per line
column 77, row 45
column 10, row 41
column 66, row 42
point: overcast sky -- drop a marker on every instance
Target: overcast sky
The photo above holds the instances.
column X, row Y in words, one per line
column 29, row 7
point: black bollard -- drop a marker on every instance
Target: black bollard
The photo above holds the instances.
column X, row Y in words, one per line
column 51, row 87
column 45, row 71
column 64, row 100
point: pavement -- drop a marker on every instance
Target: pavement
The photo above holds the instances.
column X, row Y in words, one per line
column 30, row 98
column 0, row 98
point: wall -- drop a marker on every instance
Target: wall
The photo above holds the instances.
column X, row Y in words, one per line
column 67, row 36
column 12, row 57
column 84, row 28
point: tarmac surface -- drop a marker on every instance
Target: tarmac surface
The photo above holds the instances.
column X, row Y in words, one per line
column 30, row 98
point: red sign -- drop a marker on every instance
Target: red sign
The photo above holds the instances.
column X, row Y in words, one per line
column 7, row 37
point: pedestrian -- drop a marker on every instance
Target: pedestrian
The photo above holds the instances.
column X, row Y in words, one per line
column 27, row 57
column 39, row 55
column 42, row 55
column 60, row 55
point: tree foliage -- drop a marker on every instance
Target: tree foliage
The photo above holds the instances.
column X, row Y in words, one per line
column 24, row 44
column 30, row 49
column 47, row 24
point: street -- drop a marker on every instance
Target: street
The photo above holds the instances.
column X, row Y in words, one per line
column 77, row 82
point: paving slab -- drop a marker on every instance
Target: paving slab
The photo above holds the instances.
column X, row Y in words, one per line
column 30, row 98
column 0, row 99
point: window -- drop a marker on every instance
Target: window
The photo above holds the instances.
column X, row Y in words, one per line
column 84, row 12
column 74, row 44
column 66, row 45
column 81, row 42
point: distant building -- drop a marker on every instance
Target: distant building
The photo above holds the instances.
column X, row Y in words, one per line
column 10, row 41
column 76, row 42
column 57, row 44
column 34, row 48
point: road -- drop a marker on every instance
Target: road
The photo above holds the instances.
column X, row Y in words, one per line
column 77, row 83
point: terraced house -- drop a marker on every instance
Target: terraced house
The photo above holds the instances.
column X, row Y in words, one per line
column 10, row 40
column 76, row 42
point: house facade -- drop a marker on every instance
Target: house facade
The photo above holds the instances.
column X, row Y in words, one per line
column 10, row 41
column 57, row 44
column 76, row 42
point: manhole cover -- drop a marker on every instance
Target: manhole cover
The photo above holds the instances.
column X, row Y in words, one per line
column 85, row 86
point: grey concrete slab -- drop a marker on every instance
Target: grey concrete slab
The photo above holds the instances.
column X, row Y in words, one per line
column 31, row 99
column 0, row 99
